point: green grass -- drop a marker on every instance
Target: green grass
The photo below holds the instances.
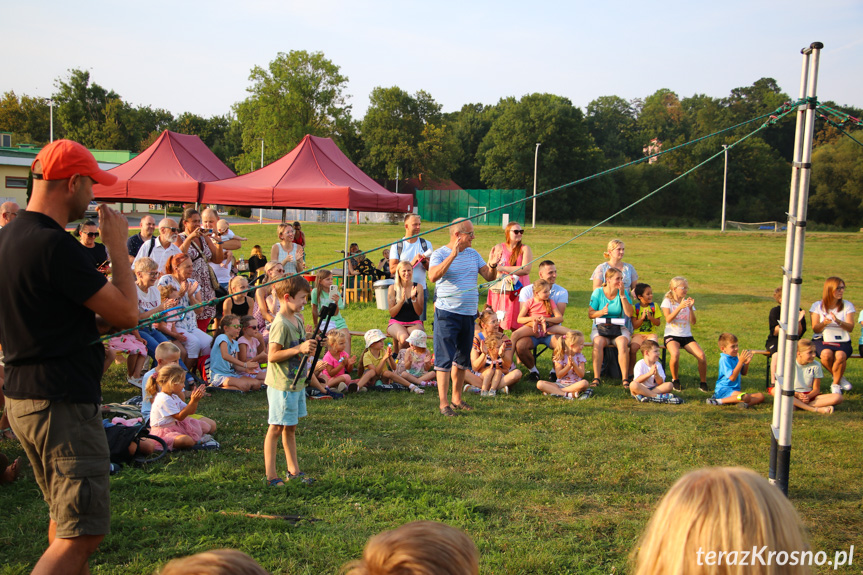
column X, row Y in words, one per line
column 542, row 486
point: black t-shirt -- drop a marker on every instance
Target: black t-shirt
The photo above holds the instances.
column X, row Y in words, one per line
column 134, row 244
column 772, row 342
column 45, row 330
column 98, row 254
column 256, row 263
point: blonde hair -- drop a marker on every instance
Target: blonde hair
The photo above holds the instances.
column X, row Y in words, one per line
column 232, row 284
column 256, row 251
column 542, row 285
column 215, row 562
column 610, row 273
column 728, row 509
column 805, row 345
column 675, row 283
column 493, row 340
column 564, row 342
column 145, row 264
column 334, row 337
column 418, row 548
column 612, row 245
column 166, row 374
column 166, row 289
column 399, row 288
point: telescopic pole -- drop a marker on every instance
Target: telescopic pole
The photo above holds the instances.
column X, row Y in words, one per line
column 783, row 406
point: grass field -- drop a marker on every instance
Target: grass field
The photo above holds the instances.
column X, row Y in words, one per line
column 542, row 486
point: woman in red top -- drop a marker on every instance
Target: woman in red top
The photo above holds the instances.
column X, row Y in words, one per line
column 510, row 255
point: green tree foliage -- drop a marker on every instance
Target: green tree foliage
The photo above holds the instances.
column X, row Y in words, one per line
column 470, row 125
column 611, row 121
column 407, row 132
column 298, row 93
column 28, row 118
column 836, row 189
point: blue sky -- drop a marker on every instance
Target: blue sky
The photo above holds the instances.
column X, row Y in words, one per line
column 196, row 56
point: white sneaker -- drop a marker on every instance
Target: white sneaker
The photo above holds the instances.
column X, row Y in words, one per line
column 136, row 381
column 506, row 389
column 492, row 392
column 342, row 388
column 844, row 384
column 417, row 390
column 835, row 388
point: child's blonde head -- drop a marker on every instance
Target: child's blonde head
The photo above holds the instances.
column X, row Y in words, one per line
column 675, row 283
column 166, row 377
column 418, row 548
column 805, row 345
column 167, row 351
column 493, row 341
column 726, row 339
column 543, row 286
column 728, row 509
column 336, row 337
column 215, row 562
column 564, row 344
column 237, row 284
column 165, row 290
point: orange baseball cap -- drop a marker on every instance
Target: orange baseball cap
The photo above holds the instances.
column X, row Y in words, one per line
column 62, row 159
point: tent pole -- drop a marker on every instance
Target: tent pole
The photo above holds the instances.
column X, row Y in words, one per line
column 345, row 263
column 793, row 276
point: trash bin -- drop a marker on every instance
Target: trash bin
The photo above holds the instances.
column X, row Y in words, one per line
column 381, row 287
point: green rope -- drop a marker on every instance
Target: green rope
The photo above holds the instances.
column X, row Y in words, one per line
column 156, row 318
column 838, row 126
column 770, row 122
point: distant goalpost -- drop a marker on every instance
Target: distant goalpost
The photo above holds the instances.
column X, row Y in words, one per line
column 471, row 210
column 757, row 226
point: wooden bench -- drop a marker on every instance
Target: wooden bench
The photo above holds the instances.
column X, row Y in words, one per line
column 767, row 355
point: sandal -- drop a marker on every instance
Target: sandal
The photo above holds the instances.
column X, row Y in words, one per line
column 626, row 383
column 448, row 412
column 462, row 406
column 7, row 434
column 276, row 482
column 596, row 381
column 301, row 476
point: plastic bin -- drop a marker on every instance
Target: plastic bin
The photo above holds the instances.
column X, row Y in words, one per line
column 381, row 287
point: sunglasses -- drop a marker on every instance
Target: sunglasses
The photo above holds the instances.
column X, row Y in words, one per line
column 236, row 325
column 173, row 230
column 92, row 234
column 518, row 231
column 254, row 327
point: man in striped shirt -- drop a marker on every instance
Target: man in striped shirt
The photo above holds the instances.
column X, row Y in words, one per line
column 453, row 268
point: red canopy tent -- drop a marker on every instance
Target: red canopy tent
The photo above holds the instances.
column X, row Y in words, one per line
column 170, row 170
column 315, row 175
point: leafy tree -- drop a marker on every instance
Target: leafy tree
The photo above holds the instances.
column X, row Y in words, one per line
column 27, row 117
column 470, row 125
column 407, row 132
column 611, row 122
column 298, row 93
column 83, row 109
column 661, row 116
column 836, row 189
column 567, row 153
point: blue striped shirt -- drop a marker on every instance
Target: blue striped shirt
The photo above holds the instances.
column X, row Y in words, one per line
column 456, row 291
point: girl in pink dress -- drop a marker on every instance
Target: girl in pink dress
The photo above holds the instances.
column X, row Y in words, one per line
column 510, row 256
column 539, row 316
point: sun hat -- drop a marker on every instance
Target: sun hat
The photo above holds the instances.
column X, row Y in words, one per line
column 61, row 159
column 418, row 338
column 374, row 335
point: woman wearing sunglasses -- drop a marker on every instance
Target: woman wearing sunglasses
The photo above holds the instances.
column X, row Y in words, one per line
column 509, row 257
column 87, row 232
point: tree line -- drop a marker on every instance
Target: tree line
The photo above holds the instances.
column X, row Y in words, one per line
column 493, row 146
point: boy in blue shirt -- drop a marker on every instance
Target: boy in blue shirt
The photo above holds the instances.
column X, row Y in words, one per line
column 731, row 368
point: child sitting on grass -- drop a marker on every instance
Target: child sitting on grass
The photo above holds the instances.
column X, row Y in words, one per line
column 169, row 417
column 731, row 368
column 807, row 382
column 645, row 320
column 649, row 382
column 287, row 403
column 226, row 370
column 492, row 371
column 569, row 365
column 252, row 348
column 338, row 363
column 379, row 367
column 415, row 363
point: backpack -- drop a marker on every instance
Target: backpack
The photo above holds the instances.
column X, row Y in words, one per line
column 400, row 246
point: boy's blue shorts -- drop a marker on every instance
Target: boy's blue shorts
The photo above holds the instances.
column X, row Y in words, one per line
column 286, row 407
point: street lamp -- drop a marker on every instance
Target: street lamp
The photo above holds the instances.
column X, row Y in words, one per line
column 724, row 185
column 535, row 163
column 261, row 210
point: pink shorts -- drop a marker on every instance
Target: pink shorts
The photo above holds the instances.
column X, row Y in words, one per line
column 189, row 426
column 405, row 323
column 127, row 343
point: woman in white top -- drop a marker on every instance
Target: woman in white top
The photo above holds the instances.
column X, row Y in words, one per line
column 833, row 321
column 286, row 252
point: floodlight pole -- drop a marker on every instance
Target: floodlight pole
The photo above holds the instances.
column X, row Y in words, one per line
column 535, row 163
column 724, row 185
column 792, row 272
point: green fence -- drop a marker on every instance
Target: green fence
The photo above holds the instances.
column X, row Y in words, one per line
column 447, row 205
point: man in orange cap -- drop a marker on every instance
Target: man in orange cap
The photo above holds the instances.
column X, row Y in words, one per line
column 51, row 295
